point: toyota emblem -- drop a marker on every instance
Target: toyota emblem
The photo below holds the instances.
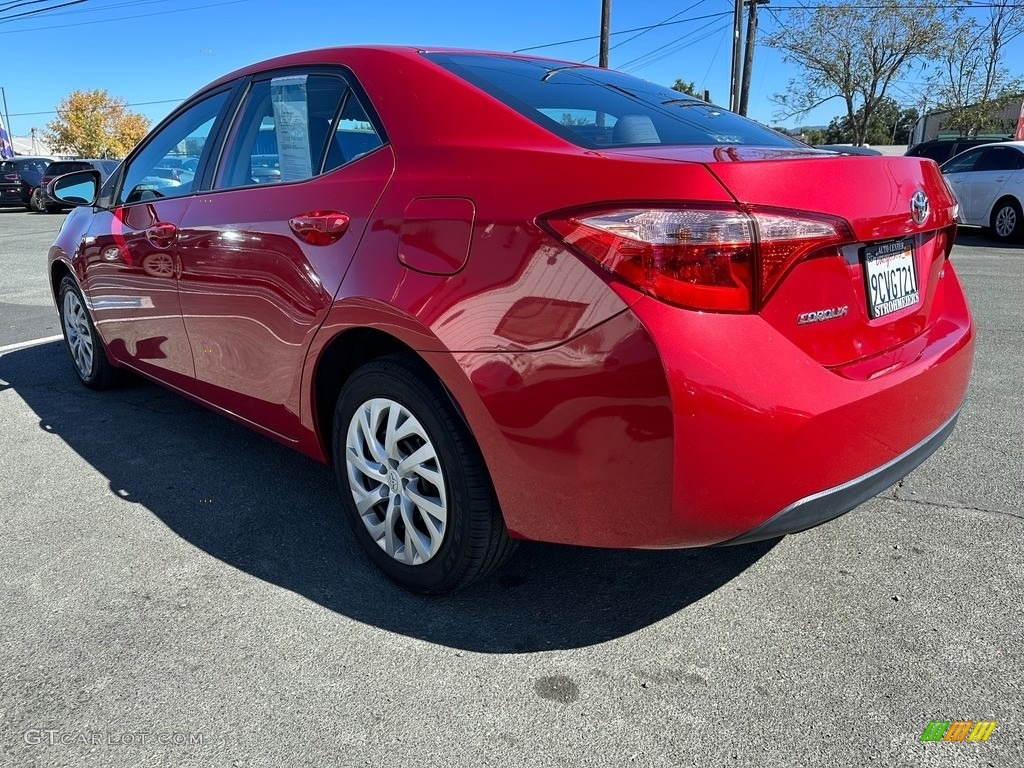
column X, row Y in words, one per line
column 919, row 208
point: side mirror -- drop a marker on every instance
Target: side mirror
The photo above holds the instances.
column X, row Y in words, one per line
column 76, row 188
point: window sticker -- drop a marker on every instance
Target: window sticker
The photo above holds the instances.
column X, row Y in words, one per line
column 291, row 120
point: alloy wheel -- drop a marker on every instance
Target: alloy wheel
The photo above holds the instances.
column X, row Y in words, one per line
column 1006, row 221
column 396, row 480
column 78, row 334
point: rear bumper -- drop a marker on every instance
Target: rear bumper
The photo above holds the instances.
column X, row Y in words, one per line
column 835, row 502
column 12, row 196
column 665, row 429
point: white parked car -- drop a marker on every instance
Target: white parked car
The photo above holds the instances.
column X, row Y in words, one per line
column 989, row 185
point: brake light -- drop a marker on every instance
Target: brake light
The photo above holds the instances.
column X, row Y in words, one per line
column 12, row 177
column 717, row 259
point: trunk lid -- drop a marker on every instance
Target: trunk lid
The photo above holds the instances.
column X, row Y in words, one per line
column 844, row 304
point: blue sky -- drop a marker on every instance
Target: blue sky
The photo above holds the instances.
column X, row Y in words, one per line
column 164, row 50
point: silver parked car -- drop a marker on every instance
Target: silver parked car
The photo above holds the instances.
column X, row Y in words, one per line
column 988, row 182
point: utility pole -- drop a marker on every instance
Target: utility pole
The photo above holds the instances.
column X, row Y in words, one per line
column 606, row 30
column 737, row 37
column 748, row 56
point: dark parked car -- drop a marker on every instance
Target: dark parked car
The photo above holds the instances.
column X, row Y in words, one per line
column 940, row 150
column 652, row 324
column 43, row 202
column 19, row 178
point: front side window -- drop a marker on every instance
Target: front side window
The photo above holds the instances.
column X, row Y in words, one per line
column 964, row 162
column 288, row 130
column 150, row 175
column 597, row 108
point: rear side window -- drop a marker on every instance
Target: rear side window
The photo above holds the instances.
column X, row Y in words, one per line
column 597, row 108
column 1000, row 159
column 33, row 168
column 354, row 135
column 295, row 127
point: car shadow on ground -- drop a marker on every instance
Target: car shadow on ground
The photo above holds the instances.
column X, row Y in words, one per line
column 272, row 513
column 975, row 237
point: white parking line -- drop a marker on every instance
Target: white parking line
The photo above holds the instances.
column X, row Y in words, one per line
column 26, row 344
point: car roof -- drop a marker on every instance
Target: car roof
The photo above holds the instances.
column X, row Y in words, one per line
column 1018, row 144
column 88, row 160
column 341, row 54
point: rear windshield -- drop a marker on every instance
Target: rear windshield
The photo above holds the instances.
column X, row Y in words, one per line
column 59, row 169
column 597, row 108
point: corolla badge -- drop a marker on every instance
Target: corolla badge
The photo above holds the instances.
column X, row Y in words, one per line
column 805, row 318
column 919, row 208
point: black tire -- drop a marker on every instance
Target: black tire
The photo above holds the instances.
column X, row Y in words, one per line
column 1007, row 222
column 474, row 541
column 94, row 370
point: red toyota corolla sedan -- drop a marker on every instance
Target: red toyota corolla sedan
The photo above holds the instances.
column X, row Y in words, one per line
column 514, row 298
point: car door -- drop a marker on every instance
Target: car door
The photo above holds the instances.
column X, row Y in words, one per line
column 130, row 253
column 958, row 172
column 264, row 252
column 989, row 180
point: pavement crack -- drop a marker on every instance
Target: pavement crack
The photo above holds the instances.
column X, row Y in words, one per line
column 952, row 505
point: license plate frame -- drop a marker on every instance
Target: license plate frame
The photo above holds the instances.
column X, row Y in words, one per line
column 890, row 277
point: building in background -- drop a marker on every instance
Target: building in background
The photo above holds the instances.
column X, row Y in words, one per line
column 933, row 125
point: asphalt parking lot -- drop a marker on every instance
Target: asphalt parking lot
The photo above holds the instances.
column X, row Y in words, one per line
column 179, row 591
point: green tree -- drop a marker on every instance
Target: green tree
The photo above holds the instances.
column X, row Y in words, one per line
column 889, row 124
column 815, row 136
column 854, row 53
column 970, row 80
column 94, row 124
column 687, row 87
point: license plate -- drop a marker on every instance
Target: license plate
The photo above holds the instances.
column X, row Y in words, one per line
column 891, row 275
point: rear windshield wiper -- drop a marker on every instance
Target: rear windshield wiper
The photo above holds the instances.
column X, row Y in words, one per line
column 555, row 70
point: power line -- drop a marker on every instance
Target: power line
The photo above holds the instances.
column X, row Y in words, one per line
column 622, row 32
column 20, row 4
column 628, row 66
column 136, row 104
column 124, row 18
column 655, row 26
column 960, row 6
column 99, row 9
column 713, row 57
column 40, row 10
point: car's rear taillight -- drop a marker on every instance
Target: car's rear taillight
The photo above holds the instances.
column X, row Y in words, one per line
column 13, row 177
column 718, row 259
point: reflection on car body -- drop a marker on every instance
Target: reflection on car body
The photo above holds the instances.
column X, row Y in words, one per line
column 580, row 317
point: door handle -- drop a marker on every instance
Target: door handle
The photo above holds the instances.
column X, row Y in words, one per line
column 162, row 234
column 319, row 227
